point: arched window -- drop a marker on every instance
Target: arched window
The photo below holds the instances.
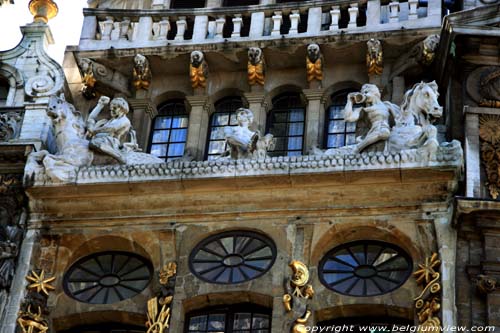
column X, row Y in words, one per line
column 106, row 328
column 286, row 121
column 241, row 318
column 365, row 268
column 224, row 115
column 169, row 132
column 338, row 132
column 178, row 4
column 107, row 277
column 4, row 91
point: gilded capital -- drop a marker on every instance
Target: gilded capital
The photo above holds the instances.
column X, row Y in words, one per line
column 43, row 10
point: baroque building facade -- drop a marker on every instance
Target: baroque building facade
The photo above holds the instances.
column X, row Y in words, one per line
column 253, row 166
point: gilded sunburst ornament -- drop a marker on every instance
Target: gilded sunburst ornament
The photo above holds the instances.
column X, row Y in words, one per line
column 427, row 270
column 40, row 283
column 489, row 128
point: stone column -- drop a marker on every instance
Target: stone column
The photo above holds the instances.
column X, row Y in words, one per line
column 200, row 28
column 373, row 13
column 394, row 12
column 314, row 20
column 257, row 24
column 198, row 125
column 353, row 15
column 256, row 103
column 335, row 14
column 237, row 24
column 314, row 123
column 145, row 28
column 294, row 22
column 447, row 245
column 142, row 117
column 181, row 27
column 89, row 28
column 472, row 155
column 277, row 21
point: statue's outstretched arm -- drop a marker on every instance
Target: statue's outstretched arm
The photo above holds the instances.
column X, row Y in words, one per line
column 350, row 114
column 103, row 101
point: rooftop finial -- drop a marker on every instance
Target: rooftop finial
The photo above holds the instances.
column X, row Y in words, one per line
column 43, row 10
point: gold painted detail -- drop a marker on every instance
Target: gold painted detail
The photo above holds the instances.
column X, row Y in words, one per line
column 314, row 70
column 490, row 151
column 198, row 76
column 428, row 303
column 35, row 321
column 298, row 293
column 88, row 83
column 43, row 10
column 256, row 74
column 141, row 73
column 374, row 57
column 159, row 308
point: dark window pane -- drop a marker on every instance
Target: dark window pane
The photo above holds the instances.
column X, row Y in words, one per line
column 338, row 132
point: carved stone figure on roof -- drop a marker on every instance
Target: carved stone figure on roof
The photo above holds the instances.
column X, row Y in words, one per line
column 314, row 63
column 141, row 73
column 79, row 143
column 198, row 70
column 242, row 141
column 256, row 66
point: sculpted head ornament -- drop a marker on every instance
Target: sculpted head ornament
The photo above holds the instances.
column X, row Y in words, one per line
column 196, row 58
column 300, row 274
column 313, row 52
column 254, row 55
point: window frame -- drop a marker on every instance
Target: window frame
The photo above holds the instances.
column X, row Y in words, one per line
column 174, row 5
column 281, row 109
column 347, row 246
column 229, row 311
column 233, row 233
column 327, row 118
column 164, row 112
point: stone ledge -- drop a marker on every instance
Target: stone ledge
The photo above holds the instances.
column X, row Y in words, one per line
column 446, row 157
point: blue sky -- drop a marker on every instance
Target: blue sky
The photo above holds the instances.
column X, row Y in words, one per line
column 65, row 27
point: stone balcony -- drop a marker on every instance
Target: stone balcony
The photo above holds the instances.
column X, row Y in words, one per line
column 122, row 29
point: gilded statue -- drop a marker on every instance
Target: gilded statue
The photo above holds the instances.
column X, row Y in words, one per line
column 428, row 303
column 374, row 57
column 298, row 292
column 256, row 66
column 159, row 307
column 141, row 73
column 314, row 63
column 198, row 70
column 88, row 80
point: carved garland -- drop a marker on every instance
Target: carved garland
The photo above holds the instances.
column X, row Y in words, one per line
column 428, row 303
column 33, row 315
column 490, row 151
column 298, row 293
column 158, row 321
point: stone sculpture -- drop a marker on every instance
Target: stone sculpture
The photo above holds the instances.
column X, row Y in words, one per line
column 298, row 292
column 374, row 57
column 198, row 70
column 314, row 63
column 413, row 122
column 416, row 60
column 78, row 143
column 141, row 73
column 10, row 124
column 483, row 85
column 88, row 81
column 244, row 143
column 490, row 146
column 256, row 67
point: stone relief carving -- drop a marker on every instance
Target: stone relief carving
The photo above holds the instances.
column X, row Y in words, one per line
column 158, row 321
column 419, row 56
column 10, row 125
column 244, row 143
column 314, row 63
column 413, row 122
column 490, row 146
column 103, row 79
column 428, row 303
column 198, row 70
column 88, row 80
column 256, row 67
column 141, row 73
column 485, row 284
column 374, row 57
column 483, row 85
column 298, row 292
column 82, row 143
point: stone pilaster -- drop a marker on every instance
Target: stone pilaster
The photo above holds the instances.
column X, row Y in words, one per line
column 257, row 103
column 315, row 115
column 143, row 112
column 198, row 125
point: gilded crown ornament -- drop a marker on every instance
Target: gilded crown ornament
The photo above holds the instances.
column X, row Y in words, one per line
column 43, row 10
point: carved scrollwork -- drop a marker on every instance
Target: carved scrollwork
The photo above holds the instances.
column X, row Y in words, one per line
column 428, row 303
column 490, row 151
column 39, row 86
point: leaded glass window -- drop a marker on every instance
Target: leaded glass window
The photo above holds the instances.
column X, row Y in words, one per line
column 224, row 115
column 107, row 277
column 286, row 121
column 339, row 133
column 365, row 268
column 232, row 257
column 169, row 132
column 242, row 318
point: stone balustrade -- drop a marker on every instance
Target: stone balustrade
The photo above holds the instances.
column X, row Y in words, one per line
column 104, row 28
